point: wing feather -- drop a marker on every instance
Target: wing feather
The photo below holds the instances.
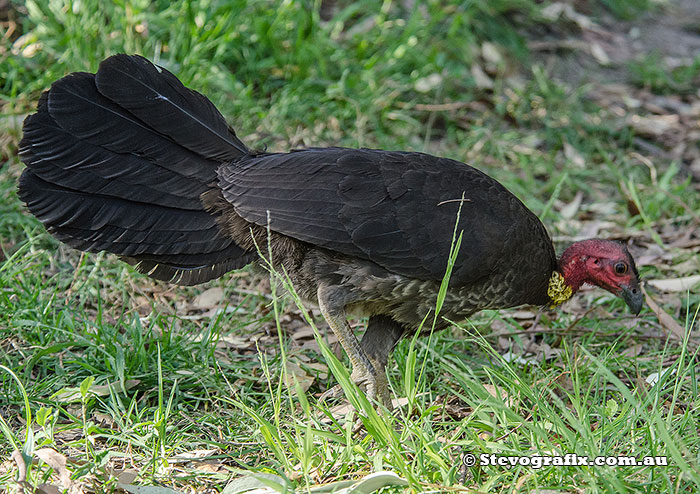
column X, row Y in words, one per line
column 396, row 209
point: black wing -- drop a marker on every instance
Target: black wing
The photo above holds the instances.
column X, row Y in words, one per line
column 396, row 209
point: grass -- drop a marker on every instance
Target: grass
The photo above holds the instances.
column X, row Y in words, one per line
column 136, row 380
column 653, row 73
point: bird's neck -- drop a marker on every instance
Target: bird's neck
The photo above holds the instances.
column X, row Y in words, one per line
column 568, row 278
column 571, row 272
column 558, row 290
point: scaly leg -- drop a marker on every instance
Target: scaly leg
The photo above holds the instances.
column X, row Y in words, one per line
column 379, row 340
column 363, row 372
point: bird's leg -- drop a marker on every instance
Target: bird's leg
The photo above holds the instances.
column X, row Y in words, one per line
column 379, row 340
column 363, row 372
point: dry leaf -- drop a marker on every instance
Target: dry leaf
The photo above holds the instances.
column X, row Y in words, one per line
column 71, row 394
column 599, row 54
column 208, row 467
column 654, row 125
column 633, row 351
column 556, row 10
column 209, row 299
column 399, row 402
column 570, row 210
column 692, row 265
column 515, row 358
column 228, row 341
column 194, row 455
column 654, row 377
column 522, row 314
column 481, row 80
column 148, row 489
column 342, row 410
column 57, row 461
column 667, row 322
column 675, row 284
column 47, row 489
column 21, row 466
column 127, row 476
column 572, row 154
column 491, row 53
column 427, row 84
column 319, row 367
column 295, row 374
column 299, row 334
column 501, row 394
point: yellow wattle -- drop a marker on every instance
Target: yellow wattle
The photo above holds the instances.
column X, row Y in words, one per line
column 558, row 291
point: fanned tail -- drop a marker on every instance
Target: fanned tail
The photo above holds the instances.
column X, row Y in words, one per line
column 117, row 161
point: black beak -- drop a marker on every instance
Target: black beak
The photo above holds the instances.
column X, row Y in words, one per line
column 633, row 297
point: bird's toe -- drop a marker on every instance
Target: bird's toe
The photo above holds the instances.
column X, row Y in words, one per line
column 374, row 385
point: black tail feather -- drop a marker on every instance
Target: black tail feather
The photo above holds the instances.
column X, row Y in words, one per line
column 102, row 175
column 160, row 100
column 59, row 157
column 81, row 110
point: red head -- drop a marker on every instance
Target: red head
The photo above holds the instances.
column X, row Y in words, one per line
column 604, row 263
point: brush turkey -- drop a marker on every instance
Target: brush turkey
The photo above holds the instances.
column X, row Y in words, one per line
column 130, row 161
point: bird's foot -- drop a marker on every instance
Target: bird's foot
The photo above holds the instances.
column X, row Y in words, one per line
column 374, row 385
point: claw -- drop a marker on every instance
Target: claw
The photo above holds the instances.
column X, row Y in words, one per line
column 375, row 387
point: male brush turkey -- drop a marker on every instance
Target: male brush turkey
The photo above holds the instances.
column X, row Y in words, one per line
column 130, row 161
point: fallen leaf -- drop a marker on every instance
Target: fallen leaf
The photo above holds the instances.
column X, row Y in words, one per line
column 147, row 489
column 339, row 411
column 427, row 84
column 209, row 466
column 127, row 476
column 573, row 155
column 675, row 284
column 58, row 462
column 194, row 455
column 481, row 80
column 208, row 299
column 501, row 394
column 599, row 54
column 299, row 334
column 633, row 350
column 319, row 367
column 556, row 10
column 522, row 314
column 570, row 210
column 258, row 482
column 667, row 322
column 72, row 394
column 654, row 377
column 296, row 374
column 654, row 125
column 21, row 465
column 514, row 358
column 491, row 53
column 692, row 265
column 47, row 489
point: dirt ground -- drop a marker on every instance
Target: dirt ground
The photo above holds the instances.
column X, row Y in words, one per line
column 597, row 52
column 671, row 31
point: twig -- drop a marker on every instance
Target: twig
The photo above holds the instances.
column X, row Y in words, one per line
column 457, row 105
column 453, row 200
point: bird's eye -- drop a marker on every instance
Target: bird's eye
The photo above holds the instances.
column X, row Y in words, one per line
column 620, row 268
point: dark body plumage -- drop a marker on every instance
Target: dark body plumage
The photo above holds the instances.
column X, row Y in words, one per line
column 381, row 224
column 131, row 162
